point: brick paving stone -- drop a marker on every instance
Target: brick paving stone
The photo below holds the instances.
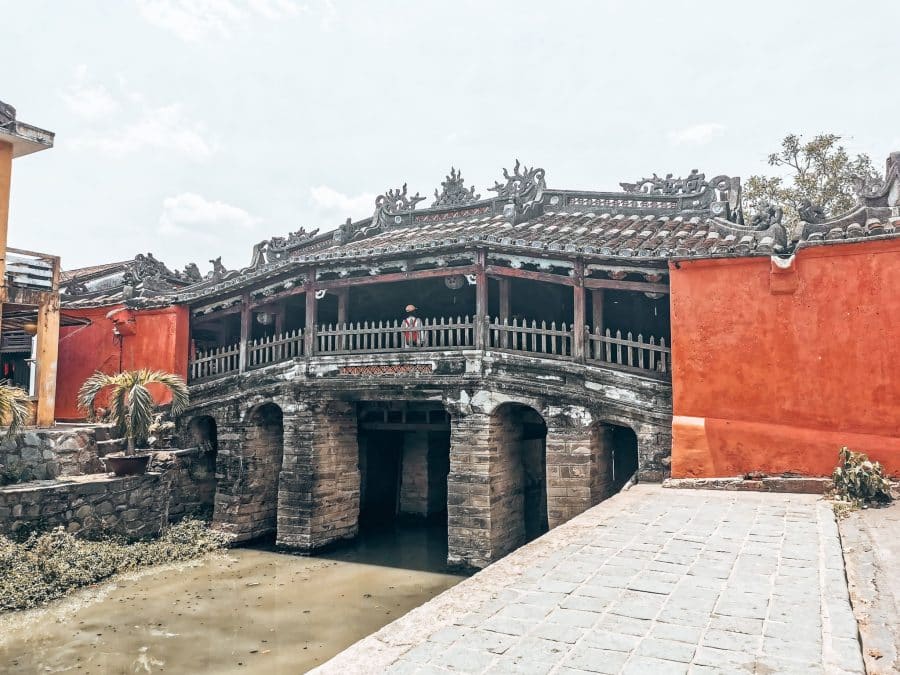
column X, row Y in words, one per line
column 650, row 581
column 643, row 665
column 595, row 660
column 558, row 632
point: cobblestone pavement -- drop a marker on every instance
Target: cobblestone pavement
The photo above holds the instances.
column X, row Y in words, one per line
column 651, row 581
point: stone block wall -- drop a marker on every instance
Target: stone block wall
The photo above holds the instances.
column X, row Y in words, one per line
column 319, row 489
column 180, row 483
column 133, row 506
column 189, row 477
column 469, row 491
column 248, row 464
column 414, row 480
column 507, row 482
column 43, row 454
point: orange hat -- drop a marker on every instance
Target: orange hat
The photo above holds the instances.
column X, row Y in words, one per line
column 410, row 308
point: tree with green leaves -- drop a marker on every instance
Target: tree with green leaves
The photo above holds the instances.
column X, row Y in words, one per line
column 131, row 403
column 15, row 407
column 821, row 179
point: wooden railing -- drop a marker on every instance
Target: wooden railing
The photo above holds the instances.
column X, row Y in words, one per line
column 532, row 338
column 388, row 336
column 215, row 363
column 628, row 352
column 275, row 348
column 651, row 357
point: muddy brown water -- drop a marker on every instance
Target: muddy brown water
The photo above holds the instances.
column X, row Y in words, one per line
column 248, row 610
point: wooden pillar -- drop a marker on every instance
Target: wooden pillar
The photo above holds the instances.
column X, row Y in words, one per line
column 46, row 357
column 343, row 298
column 309, row 338
column 597, row 310
column 279, row 311
column 6, row 157
column 503, row 283
column 246, row 316
column 578, row 330
column 481, row 300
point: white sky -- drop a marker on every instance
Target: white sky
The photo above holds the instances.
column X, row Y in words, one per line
column 196, row 128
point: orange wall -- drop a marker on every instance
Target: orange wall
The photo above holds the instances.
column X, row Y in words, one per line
column 774, row 370
column 160, row 341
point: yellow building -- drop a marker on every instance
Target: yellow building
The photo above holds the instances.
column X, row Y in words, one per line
column 29, row 285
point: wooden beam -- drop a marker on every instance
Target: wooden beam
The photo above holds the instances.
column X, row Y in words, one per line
column 403, row 426
column 396, row 276
column 246, row 317
column 496, row 271
column 579, row 321
column 481, row 300
column 627, row 285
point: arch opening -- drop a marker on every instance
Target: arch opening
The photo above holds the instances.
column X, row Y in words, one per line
column 404, row 461
column 204, row 433
column 519, row 483
column 263, row 451
column 616, row 456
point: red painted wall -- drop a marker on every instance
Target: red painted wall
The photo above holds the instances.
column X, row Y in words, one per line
column 160, row 341
column 775, row 369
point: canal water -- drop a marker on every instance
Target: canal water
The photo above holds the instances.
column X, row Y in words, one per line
column 248, row 610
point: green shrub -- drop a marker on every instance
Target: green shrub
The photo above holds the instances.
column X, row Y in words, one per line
column 47, row 566
column 859, row 480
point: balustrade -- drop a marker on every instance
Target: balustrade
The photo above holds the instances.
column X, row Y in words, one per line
column 555, row 341
column 215, row 362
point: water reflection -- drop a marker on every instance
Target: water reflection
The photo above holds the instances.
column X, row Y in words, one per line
column 251, row 610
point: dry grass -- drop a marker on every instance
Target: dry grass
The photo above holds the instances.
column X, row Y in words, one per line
column 47, row 566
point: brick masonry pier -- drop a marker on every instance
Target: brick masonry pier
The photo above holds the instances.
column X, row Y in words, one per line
column 650, row 581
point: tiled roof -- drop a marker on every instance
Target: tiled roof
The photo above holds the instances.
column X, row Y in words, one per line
column 81, row 272
column 592, row 234
column 859, row 224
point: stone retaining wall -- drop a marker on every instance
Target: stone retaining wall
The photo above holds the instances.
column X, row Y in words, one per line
column 44, row 454
column 180, row 483
column 130, row 506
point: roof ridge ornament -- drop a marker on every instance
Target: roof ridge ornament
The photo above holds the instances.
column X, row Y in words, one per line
column 454, row 192
column 523, row 184
column 695, row 183
column 389, row 205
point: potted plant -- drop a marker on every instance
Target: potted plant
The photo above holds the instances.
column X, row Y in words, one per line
column 131, row 409
column 15, row 407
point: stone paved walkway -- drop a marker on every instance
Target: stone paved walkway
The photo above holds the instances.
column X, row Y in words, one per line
column 650, row 581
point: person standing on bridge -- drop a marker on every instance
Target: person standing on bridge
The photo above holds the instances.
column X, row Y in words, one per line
column 413, row 335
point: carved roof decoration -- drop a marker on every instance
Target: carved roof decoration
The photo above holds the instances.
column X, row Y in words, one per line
column 652, row 221
column 523, row 183
column 454, row 192
column 279, row 248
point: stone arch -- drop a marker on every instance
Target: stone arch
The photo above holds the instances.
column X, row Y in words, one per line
column 262, row 450
column 518, row 483
column 615, row 450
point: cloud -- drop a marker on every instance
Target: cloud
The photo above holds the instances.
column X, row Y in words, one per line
column 335, row 205
column 190, row 214
column 197, row 20
column 698, row 134
column 87, row 99
column 162, row 128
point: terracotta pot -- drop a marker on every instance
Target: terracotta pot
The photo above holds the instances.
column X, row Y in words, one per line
column 123, row 465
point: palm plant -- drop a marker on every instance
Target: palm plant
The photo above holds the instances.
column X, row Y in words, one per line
column 15, row 407
column 131, row 404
